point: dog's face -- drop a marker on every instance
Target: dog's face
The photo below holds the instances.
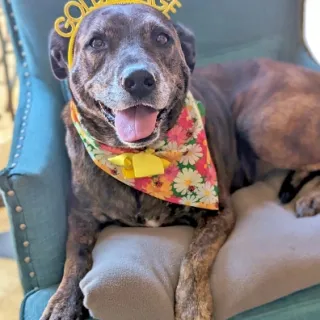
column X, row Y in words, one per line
column 130, row 73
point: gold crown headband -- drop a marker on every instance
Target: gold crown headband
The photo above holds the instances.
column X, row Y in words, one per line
column 72, row 23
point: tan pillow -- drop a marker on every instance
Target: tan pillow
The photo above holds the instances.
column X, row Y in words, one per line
column 270, row 254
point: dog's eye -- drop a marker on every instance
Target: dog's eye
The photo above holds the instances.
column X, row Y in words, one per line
column 163, row 39
column 96, row 43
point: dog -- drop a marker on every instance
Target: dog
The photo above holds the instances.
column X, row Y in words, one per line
column 255, row 110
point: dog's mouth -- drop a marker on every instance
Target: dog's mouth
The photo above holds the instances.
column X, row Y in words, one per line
column 135, row 123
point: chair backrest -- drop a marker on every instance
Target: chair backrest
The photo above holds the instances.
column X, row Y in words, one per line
column 225, row 30
column 232, row 29
column 229, row 29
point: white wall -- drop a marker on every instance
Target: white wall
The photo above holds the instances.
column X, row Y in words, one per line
column 312, row 27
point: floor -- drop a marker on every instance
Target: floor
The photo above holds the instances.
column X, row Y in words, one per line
column 10, row 288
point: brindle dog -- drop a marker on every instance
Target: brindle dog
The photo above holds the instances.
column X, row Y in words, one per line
column 254, row 110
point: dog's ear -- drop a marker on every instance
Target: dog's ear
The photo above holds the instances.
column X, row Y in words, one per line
column 58, row 50
column 188, row 44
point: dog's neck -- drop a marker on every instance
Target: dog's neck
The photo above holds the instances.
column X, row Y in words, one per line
column 178, row 169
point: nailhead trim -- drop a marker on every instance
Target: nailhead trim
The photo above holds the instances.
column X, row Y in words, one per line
column 12, row 196
column 28, row 84
column 26, row 244
column 10, row 193
column 27, row 259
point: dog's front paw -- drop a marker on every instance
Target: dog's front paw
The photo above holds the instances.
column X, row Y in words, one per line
column 193, row 295
column 64, row 305
column 308, row 205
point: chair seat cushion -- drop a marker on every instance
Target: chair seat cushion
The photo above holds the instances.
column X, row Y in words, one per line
column 35, row 302
column 304, row 304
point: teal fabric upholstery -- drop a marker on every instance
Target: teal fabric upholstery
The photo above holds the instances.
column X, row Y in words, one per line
column 38, row 168
column 302, row 305
column 229, row 30
column 35, row 302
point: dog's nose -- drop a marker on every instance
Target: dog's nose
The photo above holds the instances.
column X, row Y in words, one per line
column 139, row 83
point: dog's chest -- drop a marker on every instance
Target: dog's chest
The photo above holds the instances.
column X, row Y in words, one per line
column 114, row 201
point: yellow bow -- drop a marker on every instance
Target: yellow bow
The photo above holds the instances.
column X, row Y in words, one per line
column 140, row 165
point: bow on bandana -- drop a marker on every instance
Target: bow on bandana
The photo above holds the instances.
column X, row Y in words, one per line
column 140, row 165
column 178, row 169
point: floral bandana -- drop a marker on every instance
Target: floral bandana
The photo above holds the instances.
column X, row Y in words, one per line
column 178, row 169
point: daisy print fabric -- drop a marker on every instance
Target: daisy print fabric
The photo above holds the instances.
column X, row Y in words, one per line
column 189, row 178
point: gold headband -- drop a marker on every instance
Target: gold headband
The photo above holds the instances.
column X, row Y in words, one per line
column 72, row 23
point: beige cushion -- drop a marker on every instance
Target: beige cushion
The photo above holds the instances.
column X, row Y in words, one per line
column 270, row 254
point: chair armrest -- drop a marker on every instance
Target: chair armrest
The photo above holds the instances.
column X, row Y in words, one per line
column 36, row 179
column 35, row 185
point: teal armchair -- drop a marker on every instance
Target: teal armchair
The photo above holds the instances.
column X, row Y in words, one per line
column 35, row 181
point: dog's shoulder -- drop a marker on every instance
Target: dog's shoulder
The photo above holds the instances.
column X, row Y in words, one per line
column 73, row 142
column 82, row 166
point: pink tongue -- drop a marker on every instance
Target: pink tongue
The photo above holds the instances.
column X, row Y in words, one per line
column 135, row 123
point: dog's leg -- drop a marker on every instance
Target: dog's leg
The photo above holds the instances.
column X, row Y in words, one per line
column 294, row 182
column 309, row 205
column 66, row 303
column 193, row 294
